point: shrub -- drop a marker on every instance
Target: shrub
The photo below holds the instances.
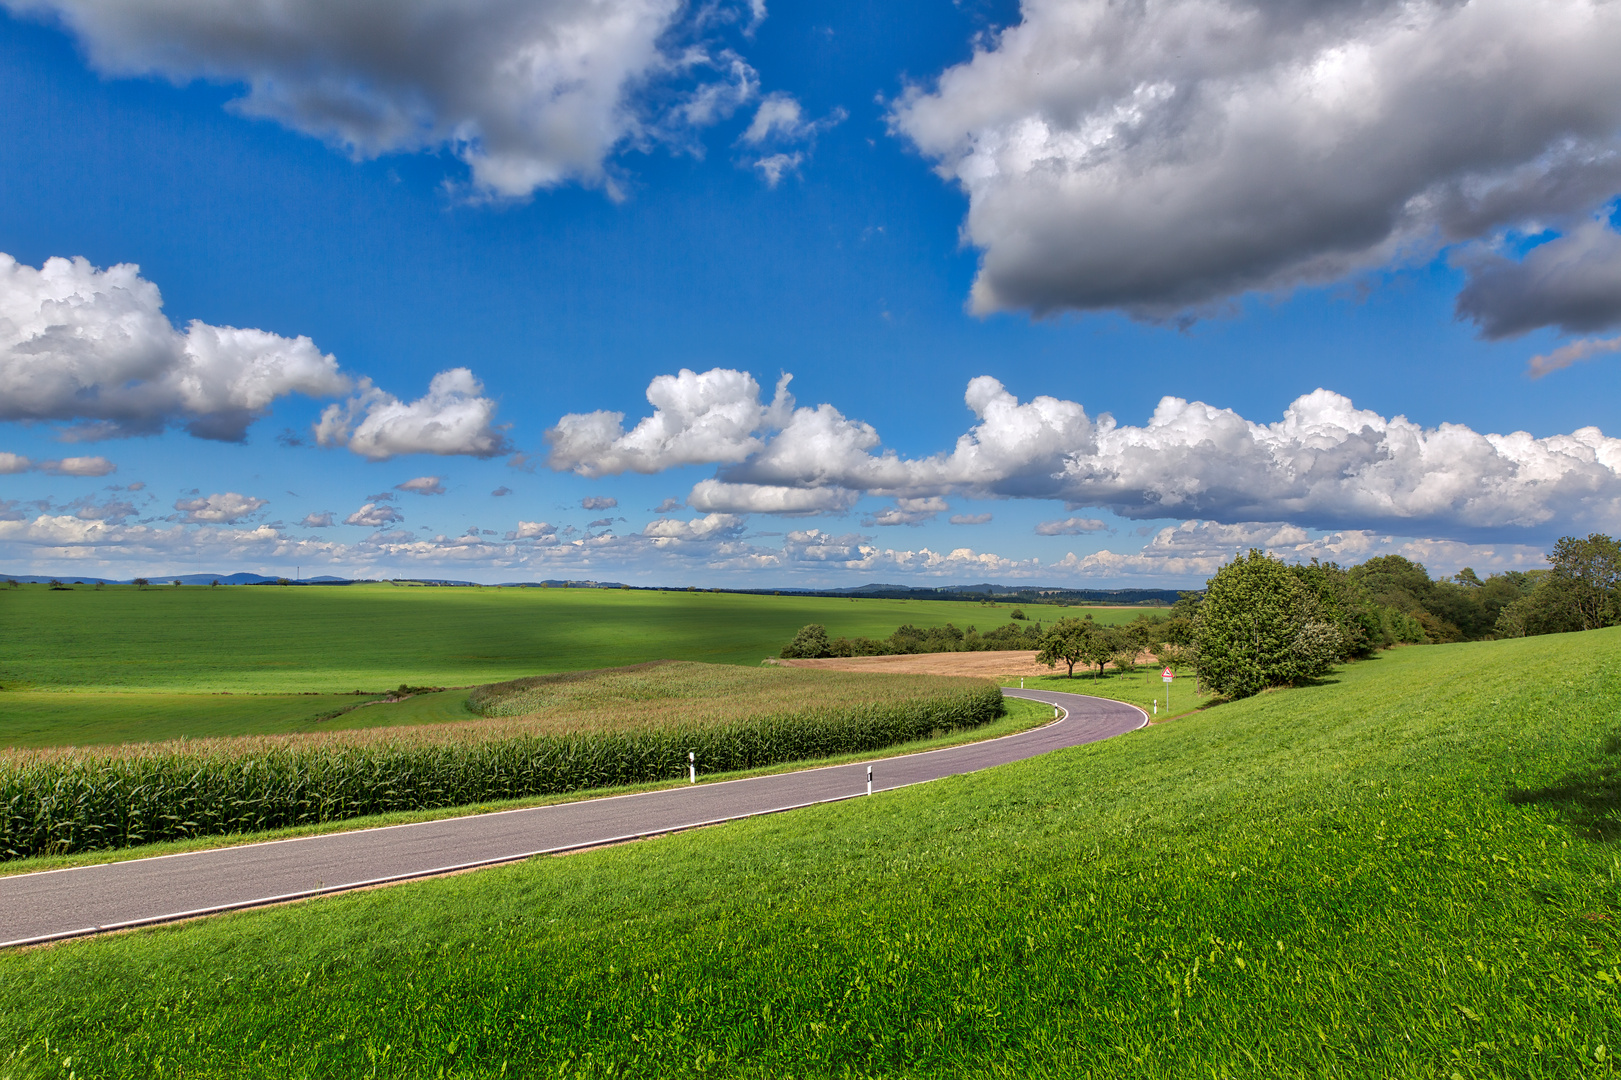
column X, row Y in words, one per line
column 809, row 644
column 1259, row 626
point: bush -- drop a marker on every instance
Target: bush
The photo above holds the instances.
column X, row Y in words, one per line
column 1259, row 627
column 809, row 644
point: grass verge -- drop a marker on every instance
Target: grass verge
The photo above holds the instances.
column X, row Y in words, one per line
column 1409, row 871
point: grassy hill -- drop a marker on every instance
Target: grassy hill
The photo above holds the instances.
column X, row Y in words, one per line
column 1407, row 871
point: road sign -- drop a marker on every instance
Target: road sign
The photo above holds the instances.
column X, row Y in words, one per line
column 1167, row 675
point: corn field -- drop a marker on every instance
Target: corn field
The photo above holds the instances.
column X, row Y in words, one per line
column 68, row 800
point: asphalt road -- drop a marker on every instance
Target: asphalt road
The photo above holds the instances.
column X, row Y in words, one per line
column 84, row 900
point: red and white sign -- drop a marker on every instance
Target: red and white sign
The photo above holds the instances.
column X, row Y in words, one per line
column 1166, row 675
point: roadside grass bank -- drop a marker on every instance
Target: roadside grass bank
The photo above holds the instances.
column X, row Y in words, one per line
column 571, row 734
column 373, row 637
column 1019, row 715
column 1409, row 870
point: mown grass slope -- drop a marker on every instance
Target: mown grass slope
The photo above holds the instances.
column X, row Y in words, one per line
column 1407, row 871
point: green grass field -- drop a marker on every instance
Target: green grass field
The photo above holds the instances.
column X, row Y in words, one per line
column 113, row 646
column 373, row 637
column 1409, row 870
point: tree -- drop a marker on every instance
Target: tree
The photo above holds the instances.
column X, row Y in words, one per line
column 1128, row 644
column 141, row 583
column 1101, row 646
column 1065, row 644
column 1585, row 578
column 1259, row 627
column 1018, row 613
column 177, row 583
column 810, row 643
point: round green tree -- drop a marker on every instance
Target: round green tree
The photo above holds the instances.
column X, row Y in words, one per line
column 1260, row 627
column 810, row 643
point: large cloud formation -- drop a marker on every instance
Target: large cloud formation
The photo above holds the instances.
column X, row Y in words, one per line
column 89, row 345
column 1165, row 155
column 528, row 95
column 1324, row 464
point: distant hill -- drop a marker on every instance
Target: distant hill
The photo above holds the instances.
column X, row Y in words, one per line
column 184, row 579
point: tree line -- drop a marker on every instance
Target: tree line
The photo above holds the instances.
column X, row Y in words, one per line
column 812, row 641
column 1261, row 622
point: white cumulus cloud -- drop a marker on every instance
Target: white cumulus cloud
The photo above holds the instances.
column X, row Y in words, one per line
column 374, row 516
column 697, row 419
column 422, row 485
column 533, row 530
column 70, row 466
column 94, row 465
column 712, row 495
column 93, row 346
column 1163, row 156
column 910, row 511
column 226, row 508
column 453, row 417
column 598, row 502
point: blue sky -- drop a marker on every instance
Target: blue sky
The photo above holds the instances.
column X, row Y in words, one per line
column 885, row 203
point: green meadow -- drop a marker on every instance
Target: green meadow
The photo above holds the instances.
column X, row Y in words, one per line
column 1409, row 869
column 77, row 666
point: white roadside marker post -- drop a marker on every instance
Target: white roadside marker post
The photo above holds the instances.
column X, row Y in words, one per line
column 692, row 767
column 869, row 779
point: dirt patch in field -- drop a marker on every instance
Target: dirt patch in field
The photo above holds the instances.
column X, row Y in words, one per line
column 989, row 665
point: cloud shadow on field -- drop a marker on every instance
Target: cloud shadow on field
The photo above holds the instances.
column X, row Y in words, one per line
column 1589, row 801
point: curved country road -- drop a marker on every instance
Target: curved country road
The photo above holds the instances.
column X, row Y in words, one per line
column 54, row 904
